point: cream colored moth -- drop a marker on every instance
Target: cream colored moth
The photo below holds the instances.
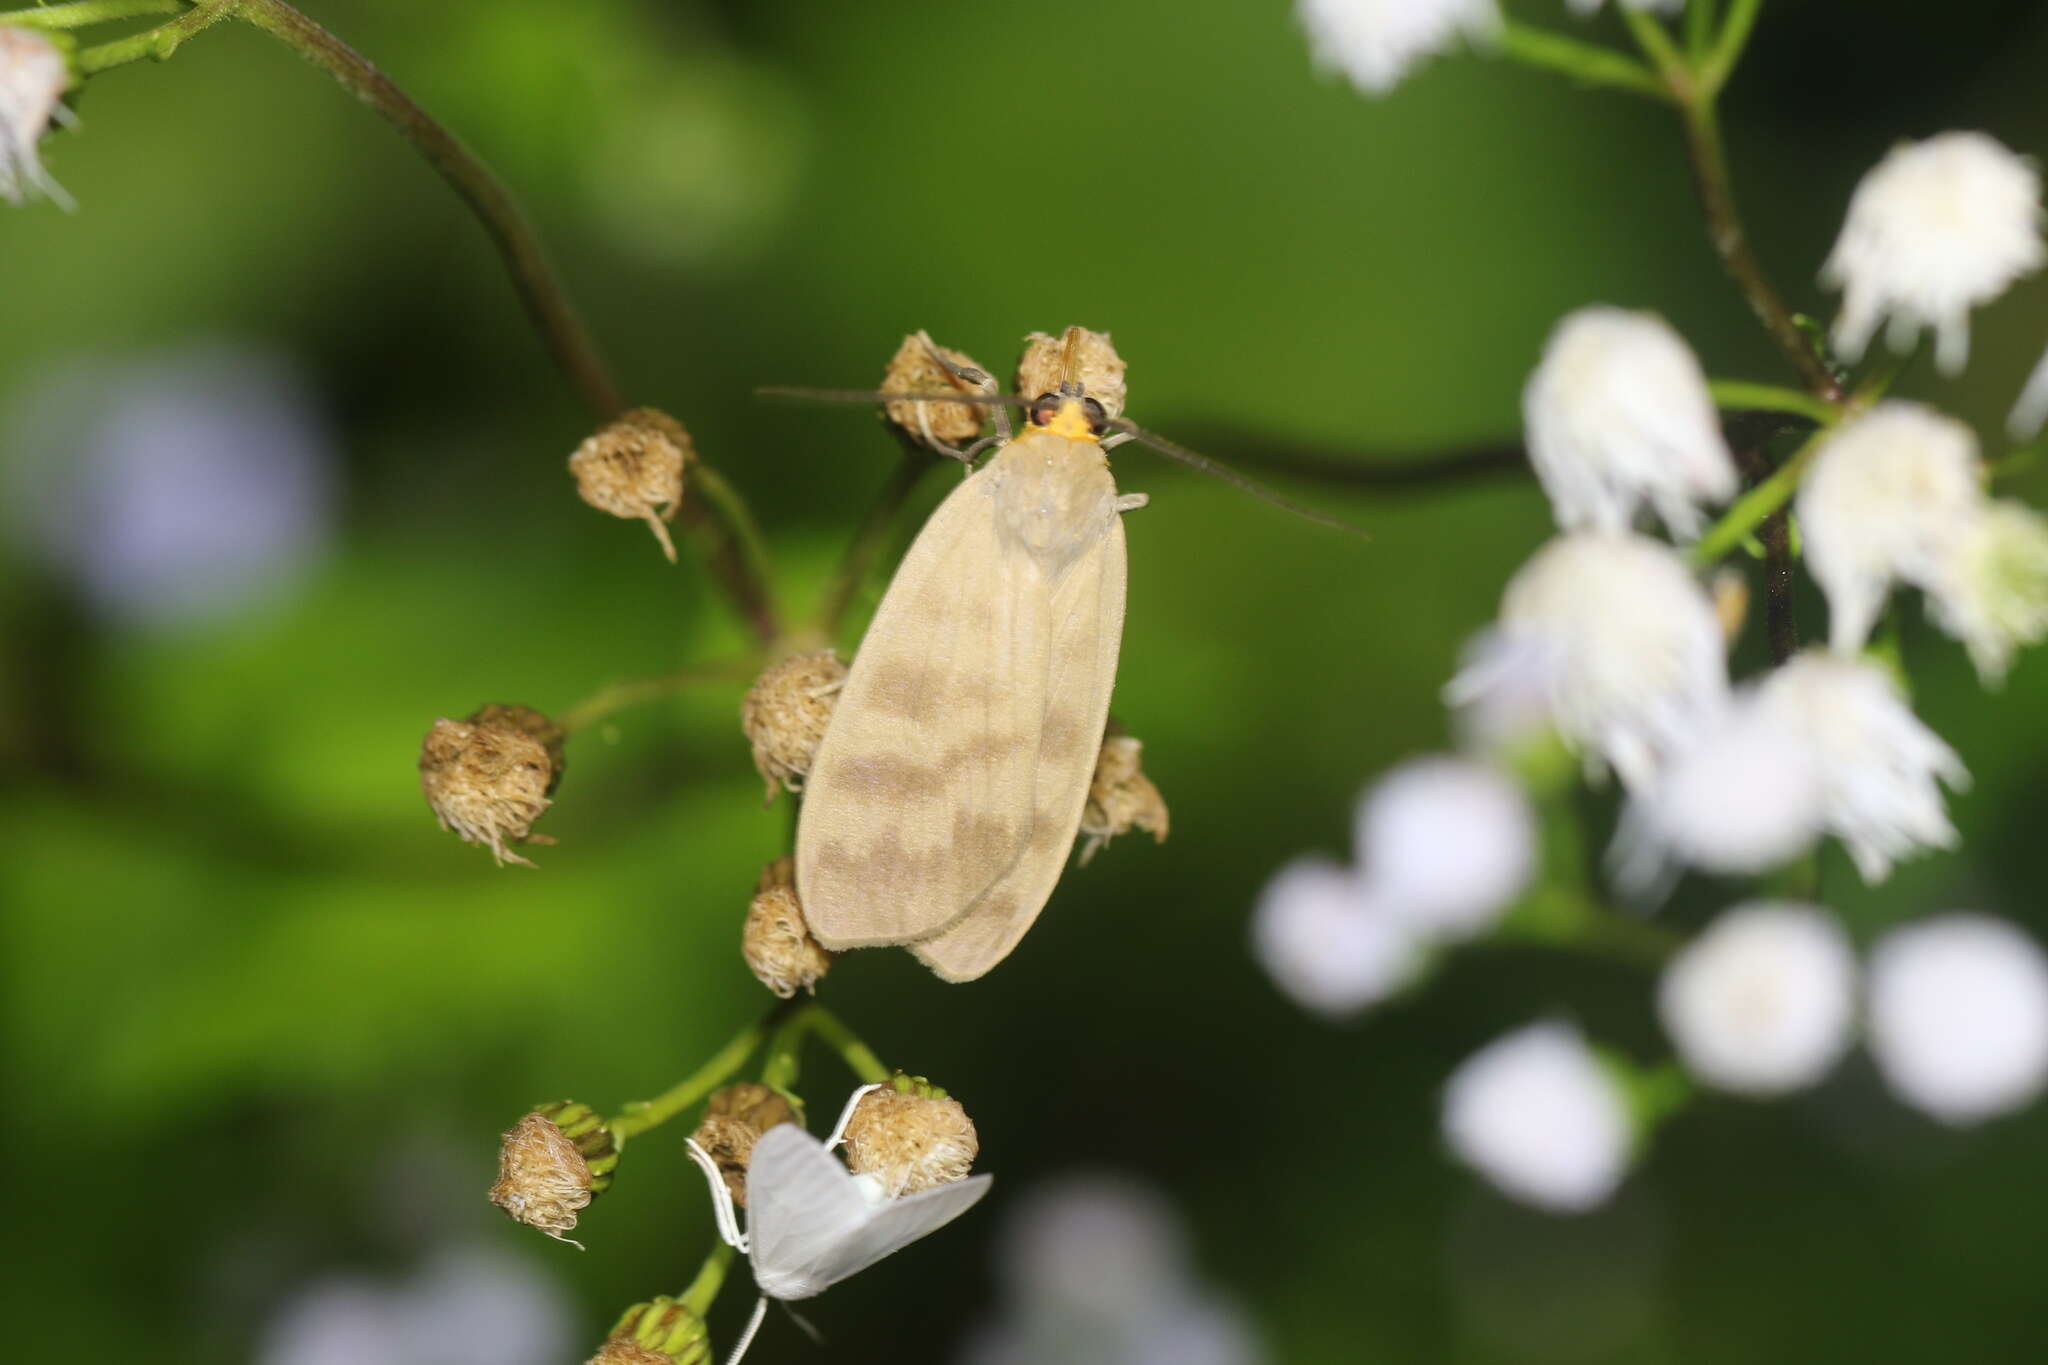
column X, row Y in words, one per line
column 944, row 799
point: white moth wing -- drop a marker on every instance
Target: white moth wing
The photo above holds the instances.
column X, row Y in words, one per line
column 1087, row 620
column 896, row 1223
column 913, row 805
column 801, row 1206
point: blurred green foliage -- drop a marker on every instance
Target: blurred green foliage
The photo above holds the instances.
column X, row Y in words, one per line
column 252, row 996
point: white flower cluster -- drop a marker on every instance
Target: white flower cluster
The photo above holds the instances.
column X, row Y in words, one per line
column 1443, row 846
column 1377, row 42
column 33, row 79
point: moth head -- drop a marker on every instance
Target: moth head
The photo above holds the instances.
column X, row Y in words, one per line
column 1069, row 413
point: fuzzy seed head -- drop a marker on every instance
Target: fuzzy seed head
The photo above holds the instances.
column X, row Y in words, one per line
column 1376, row 43
column 910, row 1142
column 633, row 468
column 1076, row 355
column 734, row 1120
column 543, row 1181
column 922, row 366
column 1121, row 798
column 33, row 78
column 776, row 941
column 1993, row 593
column 1937, row 228
column 784, row 715
column 488, row 778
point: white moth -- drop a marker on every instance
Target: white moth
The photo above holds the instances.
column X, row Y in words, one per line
column 811, row 1223
column 945, row 796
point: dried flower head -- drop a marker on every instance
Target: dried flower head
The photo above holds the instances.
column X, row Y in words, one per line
column 1077, row 355
column 1619, row 416
column 33, row 78
column 1375, row 43
column 488, row 778
column 1890, row 497
column 1935, row 229
column 1121, row 798
column 776, row 941
column 633, row 468
column 785, row 712
column 920, row 365
column 663, row 1331
column 1993, row 591
column 910, row 1136
column 734, row 1120
column 551, row 1164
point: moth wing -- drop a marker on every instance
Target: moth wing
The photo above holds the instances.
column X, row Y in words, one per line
column 916, row 801
column 899, row 1222
column 802, row 1206
column 1087, row 631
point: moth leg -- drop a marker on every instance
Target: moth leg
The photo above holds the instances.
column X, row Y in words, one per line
column 846, row 1116
column 1131, row 502
column 753, row 1326
column 721, row 1199
column 983, row 384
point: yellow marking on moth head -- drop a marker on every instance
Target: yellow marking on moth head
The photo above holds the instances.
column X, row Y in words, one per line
column 1070, row 420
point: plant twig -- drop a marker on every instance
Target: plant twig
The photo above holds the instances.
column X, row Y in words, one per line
column 1586, row 62
column 618, row 696
column 639, row 1116
column 866, row 545
column 85, row 13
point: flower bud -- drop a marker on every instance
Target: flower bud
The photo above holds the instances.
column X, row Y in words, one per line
column 488, row 778
column 633, row 467
column 1121, row 798
column 1077, row 355
column 921, row 366
column 552, row 1163
column 34, row 74
column 776, row 941
column 733, row 1121
column 663, row 1331
column 785, row 712
column 910, row 1136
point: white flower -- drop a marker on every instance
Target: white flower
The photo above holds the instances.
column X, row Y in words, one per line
column 1890, row 496
column 465, row 1306
column 1446, row 844
column 1761, row 1002
column 1744, row 796
column 33, row 78
column 1624, row 641
column 1937, row 228
column 1325, row 944
column 1993, row 593
column 1618, row 415
column 1377, row 42
column 1537, row 1115
column 1959, row 1016
column 1880, row 768
column 2031, row 410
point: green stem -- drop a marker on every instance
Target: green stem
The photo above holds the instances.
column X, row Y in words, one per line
column 738, row 556
column 1650, row 35
column 618, row 696
column 1742, row 396
column 154, row 44
column 783, row 1061
column 639, row 1116
column 1699, row 27
column 858, row 1056
column 1586, row 62
column 85, row 13
column 866, row 545
column 1739, row 522
column 1727, row 51
column 703, row 1290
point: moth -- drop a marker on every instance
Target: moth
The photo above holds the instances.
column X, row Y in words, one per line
column 945, row 796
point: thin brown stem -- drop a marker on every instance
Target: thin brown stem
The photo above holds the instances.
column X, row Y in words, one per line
column 1780, row 575
column 867, row 542
column 606, row 700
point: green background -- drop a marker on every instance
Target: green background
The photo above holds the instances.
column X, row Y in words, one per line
column 263, row 1020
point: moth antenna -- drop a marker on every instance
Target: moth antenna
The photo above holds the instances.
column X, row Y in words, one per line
column 809, row 1330
column 753, row 1326
column 846, row 1115
column 1006, row 400
column 979, row 380
column 722, row 1211
column 1216, row 469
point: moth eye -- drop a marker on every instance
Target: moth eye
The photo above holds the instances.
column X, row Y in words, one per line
column 1044, row 409
column 1098, row 420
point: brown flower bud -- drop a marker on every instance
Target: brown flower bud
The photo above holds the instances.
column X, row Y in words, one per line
column 664, row 1331
column 910, row 1135
column 633, row 468
column 488, row 778
column 785, row 712
column 1079, row 355
column 733, row 1121
column 1121, row 797
column 921, row 366
column 629, row 1352
column 551, row 1164
column 776, row 942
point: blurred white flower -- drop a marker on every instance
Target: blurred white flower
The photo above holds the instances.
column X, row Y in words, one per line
column 1325, row 944
column 1586, row 7
column 465, row 1307
column 1993, row 591
column 1892, row 495
column 2031, row 409
column 1744, row 796
column 1880, row 768
column 1537, row 1114
column 1761, row 1002
column 1445, row 844
column 174, row 488
column 1618, row 415
column 1935, row 229
column 1622, row 641
column 1959, row 1016
column 33, row 78
column 1377, row 42
column 1095, row 1270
